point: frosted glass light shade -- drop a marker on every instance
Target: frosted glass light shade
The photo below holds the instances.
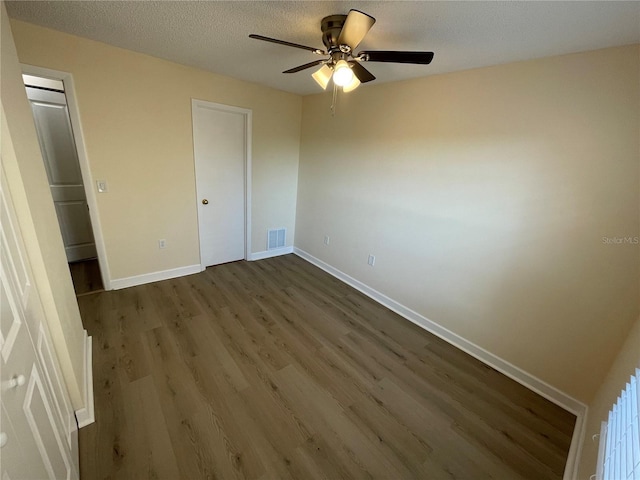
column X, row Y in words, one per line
column 322, row 76
column 342, row 74
column 351, row 85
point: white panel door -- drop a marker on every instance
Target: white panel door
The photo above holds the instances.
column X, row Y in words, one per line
column 58, row 148
column 220, row 150
column 39, row 432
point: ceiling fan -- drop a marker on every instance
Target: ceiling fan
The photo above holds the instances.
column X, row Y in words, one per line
column 341, row 34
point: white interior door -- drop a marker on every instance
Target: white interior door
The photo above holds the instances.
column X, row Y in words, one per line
column 220, row 149
column 58, row 148
column 38, row 430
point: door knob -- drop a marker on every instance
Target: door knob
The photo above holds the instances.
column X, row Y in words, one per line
column 205, row 201
column 3, row 439
column 17, row 381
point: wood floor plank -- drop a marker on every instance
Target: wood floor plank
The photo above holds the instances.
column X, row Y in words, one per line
column 133, row 360
column 479, row 419
column 111, row 417
column 323, row 461
column 326, row 416
column 86, row 277
column 276, row 370
column 452, row 452
column 151, row 453
column 172, row 318
column 393, row 438
column 214, row 353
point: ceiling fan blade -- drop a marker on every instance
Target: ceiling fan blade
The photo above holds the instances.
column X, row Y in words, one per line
column 317, row 51
column 389, row 56
column 355, row 28
column 360, row 72
column 304, row 67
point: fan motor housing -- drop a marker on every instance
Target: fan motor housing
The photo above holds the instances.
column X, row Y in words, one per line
column 331, row 27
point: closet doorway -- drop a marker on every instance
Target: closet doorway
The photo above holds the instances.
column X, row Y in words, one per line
column 57, row 141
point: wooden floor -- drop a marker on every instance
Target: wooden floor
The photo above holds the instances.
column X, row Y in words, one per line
column 86, row 276
column 274, row 369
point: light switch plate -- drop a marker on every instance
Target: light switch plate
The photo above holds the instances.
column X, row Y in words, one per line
column 102, row 186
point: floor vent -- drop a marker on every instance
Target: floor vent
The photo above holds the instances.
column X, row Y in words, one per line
column 276, row 238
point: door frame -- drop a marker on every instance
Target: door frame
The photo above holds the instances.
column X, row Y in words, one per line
column 83, row 160
column 248, row 120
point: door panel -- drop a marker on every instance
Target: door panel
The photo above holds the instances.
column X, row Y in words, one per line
column 57, row 144
column 56, row 138
column 219, row 135
column 75, row 226
column 37, row 417
column 67, row 193
column 55, row 384
column 15, row 462
column 10, row 323
column 46, row 434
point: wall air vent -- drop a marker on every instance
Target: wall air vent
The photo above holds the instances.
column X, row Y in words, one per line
column 276, row 238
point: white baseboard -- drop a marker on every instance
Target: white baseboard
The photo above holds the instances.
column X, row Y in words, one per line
column 86, row 415
column 270, row 253
column 118, row 283
column 533, row 383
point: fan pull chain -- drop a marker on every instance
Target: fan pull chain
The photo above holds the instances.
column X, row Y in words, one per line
column 335, row 100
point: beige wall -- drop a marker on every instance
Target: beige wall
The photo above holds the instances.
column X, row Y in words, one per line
column 485, row 196
column 623, row 367
column 136, row 116
column 27, row 180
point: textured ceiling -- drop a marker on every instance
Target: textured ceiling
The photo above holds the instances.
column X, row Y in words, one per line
column 213, row 35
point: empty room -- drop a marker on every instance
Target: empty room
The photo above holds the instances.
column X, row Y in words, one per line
column 320, row 240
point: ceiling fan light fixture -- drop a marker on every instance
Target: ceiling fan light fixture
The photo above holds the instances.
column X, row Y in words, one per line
column 342, row 74
column 322, row 76
column 341, row 35
column 351, row 85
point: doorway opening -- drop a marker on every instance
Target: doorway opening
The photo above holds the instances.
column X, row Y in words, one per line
column 57, row 139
